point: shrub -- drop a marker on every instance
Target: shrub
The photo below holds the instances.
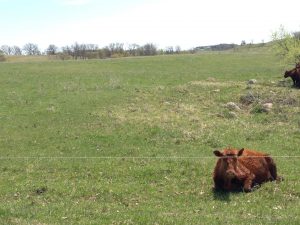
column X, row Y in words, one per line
column 287, row 45
column 250, row 98
column 2, row 58
column 257, row 109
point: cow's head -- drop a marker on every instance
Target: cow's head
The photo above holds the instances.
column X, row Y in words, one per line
column 286, row 74
column 229, row 162
column 290, row 72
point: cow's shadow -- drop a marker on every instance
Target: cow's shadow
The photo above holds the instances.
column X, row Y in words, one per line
column 221, row 195
column 224, row 196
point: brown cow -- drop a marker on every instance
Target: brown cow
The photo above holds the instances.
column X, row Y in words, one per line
column 295, row 75
column 242, row 169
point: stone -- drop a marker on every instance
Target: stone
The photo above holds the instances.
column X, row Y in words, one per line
column 232, row 115
column 232, row 106
column 252, row 81
column 267, row 107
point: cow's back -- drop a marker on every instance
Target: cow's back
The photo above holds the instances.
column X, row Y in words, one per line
column 257, row 163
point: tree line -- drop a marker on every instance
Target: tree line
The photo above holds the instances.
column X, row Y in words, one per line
column 90, row 51
column 285, row 44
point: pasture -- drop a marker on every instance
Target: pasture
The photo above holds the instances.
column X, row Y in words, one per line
column 130, row 140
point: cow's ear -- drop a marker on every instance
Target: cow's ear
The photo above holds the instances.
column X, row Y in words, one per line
column 218, row 153
column 240, row 152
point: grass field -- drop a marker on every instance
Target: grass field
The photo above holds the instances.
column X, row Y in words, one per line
column 130, row 141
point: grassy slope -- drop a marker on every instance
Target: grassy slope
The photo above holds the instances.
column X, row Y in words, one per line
column 142, row 107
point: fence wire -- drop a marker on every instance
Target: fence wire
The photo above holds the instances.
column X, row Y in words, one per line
column 138, row 157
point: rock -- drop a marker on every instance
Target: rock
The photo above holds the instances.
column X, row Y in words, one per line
column 267, row 107
column 232, row 115
column 249, row 86
column 252, row 81
column 232, row 106
column 249, row 98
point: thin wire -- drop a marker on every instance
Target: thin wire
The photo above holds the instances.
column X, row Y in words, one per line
column 135, row 157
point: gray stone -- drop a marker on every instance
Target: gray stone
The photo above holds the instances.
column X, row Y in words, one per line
column 252, row 81
column 232, row 106
column 267, row 107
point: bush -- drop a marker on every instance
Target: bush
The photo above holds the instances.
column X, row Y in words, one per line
column 250, row 98
column 63, row 56
column 257, row 109
column 2, row 58
column 287, row 45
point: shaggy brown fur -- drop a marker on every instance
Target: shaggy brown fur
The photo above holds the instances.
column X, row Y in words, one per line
column 294, row 74
column 242, row 169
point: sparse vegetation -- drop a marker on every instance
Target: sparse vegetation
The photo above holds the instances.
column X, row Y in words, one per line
column 130, row 140
column 287, row 45
column 2, row 57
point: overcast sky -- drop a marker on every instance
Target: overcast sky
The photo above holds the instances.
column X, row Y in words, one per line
column 187, row 23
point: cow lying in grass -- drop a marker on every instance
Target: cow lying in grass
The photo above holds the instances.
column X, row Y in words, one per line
column 294, row 74
column 243, row 169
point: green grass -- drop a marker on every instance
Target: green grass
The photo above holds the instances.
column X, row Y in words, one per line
column 139, row 127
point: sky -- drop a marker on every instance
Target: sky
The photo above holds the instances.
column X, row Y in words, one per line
column 185, row 23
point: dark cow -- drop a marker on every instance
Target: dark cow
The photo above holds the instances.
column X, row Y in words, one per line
column 242, row 169
column 295, row 75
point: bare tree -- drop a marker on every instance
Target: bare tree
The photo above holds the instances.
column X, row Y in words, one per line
column 169, row 50
column 79, row 50
column 92, row 51
column 177, row 49
column 83, row 51
column 7, row 50
column 67, row 50
column 105, row 52
column 297, row 35
column 11, row 50
column 75, row 48
column 149, row 49
column 31, row 49
column 91, row 47
column 116, row 48
column 16, row 50
column 133, row 49
column 52, row 50
column 243, row 42
column 2, row 57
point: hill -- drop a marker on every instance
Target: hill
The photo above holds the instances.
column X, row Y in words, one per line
column 219, row 47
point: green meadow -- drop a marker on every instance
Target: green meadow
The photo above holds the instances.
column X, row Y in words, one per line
column 130, row 140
